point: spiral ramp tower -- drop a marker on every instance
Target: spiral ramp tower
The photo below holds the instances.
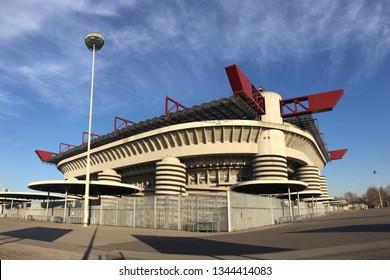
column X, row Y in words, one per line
column 170, row 177
column 269, row 164
column 310, row 175
column 109, row 175
column 324, row 189
column 269, row 167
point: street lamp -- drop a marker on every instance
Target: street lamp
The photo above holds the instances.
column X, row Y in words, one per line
column 379, row 191
column 94, row 42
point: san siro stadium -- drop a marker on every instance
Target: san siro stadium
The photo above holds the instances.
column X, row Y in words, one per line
column 247, row 160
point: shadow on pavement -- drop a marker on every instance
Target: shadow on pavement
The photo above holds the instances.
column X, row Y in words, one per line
column 352, row 228
column 37, row 233
column 202, row 247
column 330, row 218
column 90, row 245
column 113, row 257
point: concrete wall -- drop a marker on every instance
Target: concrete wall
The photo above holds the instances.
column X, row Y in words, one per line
column 250, row 211
column 231, row 212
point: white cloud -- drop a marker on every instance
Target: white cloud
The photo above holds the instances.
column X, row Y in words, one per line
column 20, row 17
column 159, row 43
column 8, row 102
column 132, row 39
column 43, row 49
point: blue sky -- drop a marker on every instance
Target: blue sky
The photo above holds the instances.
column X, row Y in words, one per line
column 179, row 49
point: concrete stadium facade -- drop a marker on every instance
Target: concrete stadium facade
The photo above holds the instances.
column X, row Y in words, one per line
column 202, row 156
column 208, row 156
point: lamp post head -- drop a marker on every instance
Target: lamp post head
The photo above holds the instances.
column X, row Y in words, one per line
column 94, row 39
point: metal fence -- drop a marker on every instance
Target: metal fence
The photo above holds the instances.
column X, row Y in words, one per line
column 249, row 211
column 229, row 212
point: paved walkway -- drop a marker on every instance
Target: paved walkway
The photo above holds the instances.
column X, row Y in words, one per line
column 349, row 235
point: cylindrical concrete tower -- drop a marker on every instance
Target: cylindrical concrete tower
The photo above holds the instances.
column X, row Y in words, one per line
column 272, row 107
column 270, row 163
column 324, row 187
column 309, row 174
column 109, row 175
column 170, row 177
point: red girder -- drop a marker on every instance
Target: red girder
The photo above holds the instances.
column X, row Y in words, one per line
column 176, row 105
column 65, row 147
column 124, row 123
column 315, row 103
column 85, row 140
column 242, row 87
column 337, row 154
column 45, row 155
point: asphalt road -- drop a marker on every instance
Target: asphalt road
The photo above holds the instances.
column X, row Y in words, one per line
column 352, row 235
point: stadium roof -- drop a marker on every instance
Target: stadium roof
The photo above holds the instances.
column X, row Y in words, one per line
column 77, row 187
column 307, row 122
column 269, row 186
column 30, row 195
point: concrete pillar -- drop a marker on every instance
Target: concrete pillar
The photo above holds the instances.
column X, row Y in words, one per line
column 65, row 204
column 229, row 211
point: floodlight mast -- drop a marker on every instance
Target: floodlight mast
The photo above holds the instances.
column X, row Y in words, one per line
column 379, row 190
column 94, row 42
